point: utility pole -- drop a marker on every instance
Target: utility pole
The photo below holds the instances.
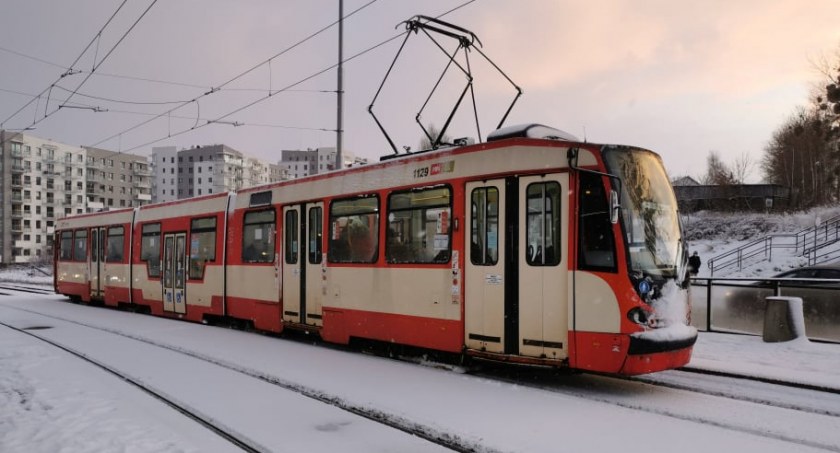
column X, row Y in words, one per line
column 340, row 90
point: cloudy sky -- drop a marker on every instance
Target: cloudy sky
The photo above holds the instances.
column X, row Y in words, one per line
column 680, row 78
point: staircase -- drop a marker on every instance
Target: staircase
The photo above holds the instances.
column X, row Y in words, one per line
column 818, row 244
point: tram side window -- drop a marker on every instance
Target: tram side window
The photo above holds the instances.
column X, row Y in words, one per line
column 202, row 245
column 354, row 230
column 116, row 245
column 258, row 236
column 597, row 246
column 66, row 246
column 80, row 248
column 150, row 248
column 484, row 230
column 419, row 226
column 543, row 237
column 291, row 236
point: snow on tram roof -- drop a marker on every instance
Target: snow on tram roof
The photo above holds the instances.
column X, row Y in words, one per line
column 531, row 130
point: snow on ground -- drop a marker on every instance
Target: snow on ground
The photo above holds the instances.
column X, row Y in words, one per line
column 53, row 403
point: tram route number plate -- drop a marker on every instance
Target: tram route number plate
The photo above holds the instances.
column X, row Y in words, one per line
column 493, row 279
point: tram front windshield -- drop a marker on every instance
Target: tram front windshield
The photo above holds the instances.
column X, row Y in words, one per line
column 649, row 212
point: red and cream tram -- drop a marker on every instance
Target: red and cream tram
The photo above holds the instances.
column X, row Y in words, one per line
column 532, row 247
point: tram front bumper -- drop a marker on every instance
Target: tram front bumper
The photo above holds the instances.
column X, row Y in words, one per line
column 659, row 349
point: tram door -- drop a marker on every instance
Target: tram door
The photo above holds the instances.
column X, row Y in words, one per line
column 174, row 273
column 484, row 267
column 97, row 261
column 516, row 266
column 303, row 263
column 543, row 266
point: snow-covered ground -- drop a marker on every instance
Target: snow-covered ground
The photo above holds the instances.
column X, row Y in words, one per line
column 52, row 402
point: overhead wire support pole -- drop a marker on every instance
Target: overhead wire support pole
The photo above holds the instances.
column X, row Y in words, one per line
column 340, row 89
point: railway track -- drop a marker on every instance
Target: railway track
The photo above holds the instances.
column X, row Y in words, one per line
column 21, row 288
column 673, row 394
column 207, row 422
column 433, row 435
column 623, row 392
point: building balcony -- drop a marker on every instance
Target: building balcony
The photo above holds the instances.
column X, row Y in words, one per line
column 17, row 214
column 141, row 172
column 16, row 184
column 19, row 169
column 143, row 184
column 93, row 164
column 17, row 227
column 143, row 196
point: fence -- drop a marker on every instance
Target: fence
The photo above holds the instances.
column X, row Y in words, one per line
column 737, row 304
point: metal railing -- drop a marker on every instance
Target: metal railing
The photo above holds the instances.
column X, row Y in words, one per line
column 807, row 242
column 737, row 305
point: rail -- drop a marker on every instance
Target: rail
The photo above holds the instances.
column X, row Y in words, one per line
column 737, row 305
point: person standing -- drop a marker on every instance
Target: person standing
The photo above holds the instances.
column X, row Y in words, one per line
column 694, row 264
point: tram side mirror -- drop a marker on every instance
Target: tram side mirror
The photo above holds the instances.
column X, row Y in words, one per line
column 614, row 206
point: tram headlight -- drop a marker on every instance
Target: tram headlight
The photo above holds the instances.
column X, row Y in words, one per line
column 639, row 316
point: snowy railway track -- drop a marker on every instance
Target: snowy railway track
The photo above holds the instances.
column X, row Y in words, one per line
column 235, row 439
column 670, row 393
column 435, row 436
column 5, row 286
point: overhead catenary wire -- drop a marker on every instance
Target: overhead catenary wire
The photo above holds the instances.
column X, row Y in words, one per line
column 290, row 86
column 216, row 88
column 69, row 69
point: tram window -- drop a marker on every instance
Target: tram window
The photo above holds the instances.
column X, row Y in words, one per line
column 419, row 226
column 150, row 248
column 543, row 236
column 484, row 230
column 80, row 248
column 258, row 237
column 66, row 246
column 202, row 245
column 354, row 230
column 597, row 246
column 291, row 235
column 116, row 246
column 316, row 228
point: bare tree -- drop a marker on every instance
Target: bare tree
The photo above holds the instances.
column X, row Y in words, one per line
column 433, row 130
column 717, row 172
column 742, row 168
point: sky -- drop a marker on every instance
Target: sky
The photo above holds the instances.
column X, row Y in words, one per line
column 43, row 391
column 680, row 78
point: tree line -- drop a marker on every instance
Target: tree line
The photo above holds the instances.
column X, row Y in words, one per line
column 804, row 151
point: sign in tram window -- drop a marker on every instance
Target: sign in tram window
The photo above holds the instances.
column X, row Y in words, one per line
column 202, row 245
column 354, row 230
column 258, row 237
column 116, row 245
column 150, row 248
column 291, row 235
column 80, row 248
column 419, row 226
column 66, row 246
column 316, row 228
column 543, row 235
column 597, row 246
column 484, row 231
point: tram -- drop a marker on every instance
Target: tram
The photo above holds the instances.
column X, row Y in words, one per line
column 532, row 247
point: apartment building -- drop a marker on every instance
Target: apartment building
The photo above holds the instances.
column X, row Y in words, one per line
column 300, row 163
column 42, row 180
column 203, row 170
column 116, row 180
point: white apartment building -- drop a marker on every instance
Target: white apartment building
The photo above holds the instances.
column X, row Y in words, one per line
column 43, row 180
column 300, row 163
column 203, row 170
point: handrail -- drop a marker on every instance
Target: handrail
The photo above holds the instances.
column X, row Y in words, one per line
column 808, row 242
